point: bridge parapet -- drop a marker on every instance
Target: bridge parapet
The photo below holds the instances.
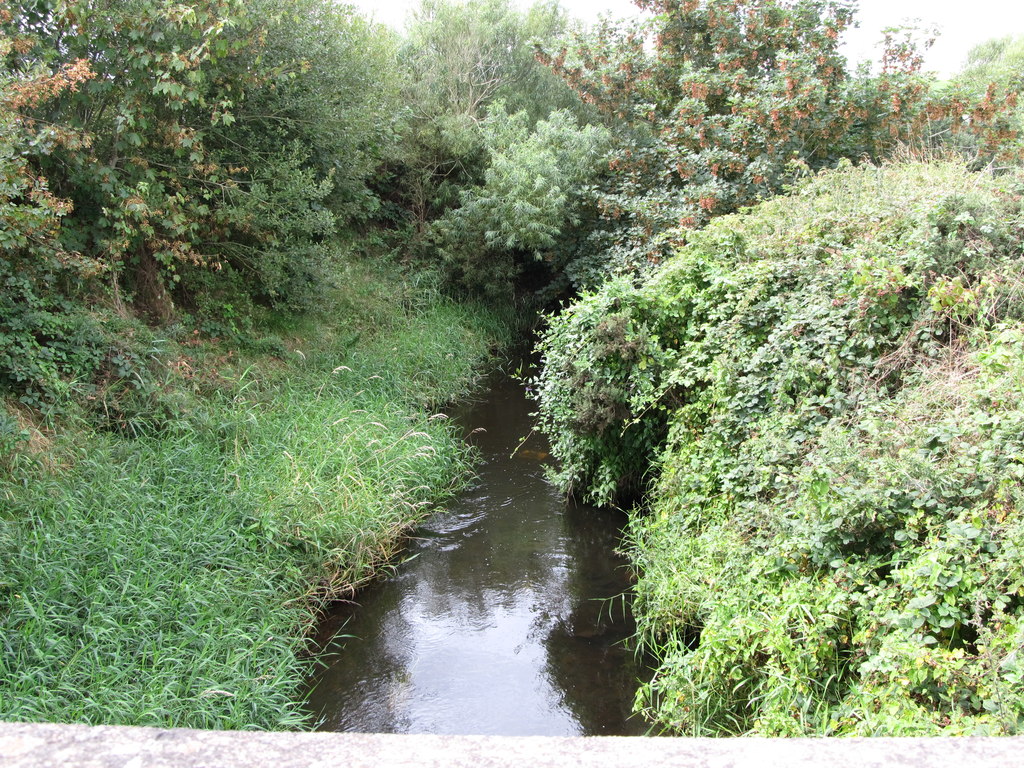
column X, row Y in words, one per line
column 78, row 746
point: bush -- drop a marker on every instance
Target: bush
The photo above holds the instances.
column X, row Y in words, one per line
column 820, row 397
column 531, row 198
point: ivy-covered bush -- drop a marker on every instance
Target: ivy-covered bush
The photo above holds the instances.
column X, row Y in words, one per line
column 822, row 396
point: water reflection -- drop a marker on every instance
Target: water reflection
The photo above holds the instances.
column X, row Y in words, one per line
column 496, row 625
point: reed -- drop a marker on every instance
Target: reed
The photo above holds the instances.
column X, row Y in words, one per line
column 170, row 578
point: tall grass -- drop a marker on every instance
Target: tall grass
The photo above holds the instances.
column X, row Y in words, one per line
column 169, row 579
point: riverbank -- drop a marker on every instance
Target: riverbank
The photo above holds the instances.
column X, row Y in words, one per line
column 821, row 398
column 164, row 570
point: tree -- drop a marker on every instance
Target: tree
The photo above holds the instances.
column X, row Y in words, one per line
column 193, row 122
column 535, row 187
column 42, row 338
column 999, row 61
column 994, row 72
column 307, row 137
column 722, row 102
column 459, row 58
column 142, row 183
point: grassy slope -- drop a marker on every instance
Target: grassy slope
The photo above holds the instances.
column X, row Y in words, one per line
column 838, row 514
column 168, row 579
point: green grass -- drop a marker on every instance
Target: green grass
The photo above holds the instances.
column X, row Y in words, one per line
column 169, row 579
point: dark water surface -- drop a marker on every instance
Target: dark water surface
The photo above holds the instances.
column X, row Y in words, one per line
column 499, row 623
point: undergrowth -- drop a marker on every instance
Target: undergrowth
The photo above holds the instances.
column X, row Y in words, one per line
column 822, row 397
column 164, row 549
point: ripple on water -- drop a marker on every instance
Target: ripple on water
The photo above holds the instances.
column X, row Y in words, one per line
column 495, row 624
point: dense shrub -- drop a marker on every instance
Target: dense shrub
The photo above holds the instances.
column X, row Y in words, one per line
column 827, row 393
column 534, row 194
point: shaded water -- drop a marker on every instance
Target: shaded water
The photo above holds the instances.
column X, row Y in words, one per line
column 499, row 622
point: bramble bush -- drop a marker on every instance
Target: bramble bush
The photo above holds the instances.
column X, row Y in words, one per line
column 822, row 396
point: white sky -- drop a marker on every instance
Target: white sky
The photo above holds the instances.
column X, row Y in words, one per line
column 962, row 24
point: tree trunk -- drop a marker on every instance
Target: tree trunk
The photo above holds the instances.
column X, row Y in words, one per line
column 152, row 301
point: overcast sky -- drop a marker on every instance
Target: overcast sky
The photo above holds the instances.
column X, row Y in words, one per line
column 962, row 24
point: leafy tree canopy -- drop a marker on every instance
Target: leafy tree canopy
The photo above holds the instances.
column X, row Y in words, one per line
column 723, row 102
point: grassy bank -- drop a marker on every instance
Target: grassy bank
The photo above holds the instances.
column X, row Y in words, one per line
column 165, row 569
column 823, row 399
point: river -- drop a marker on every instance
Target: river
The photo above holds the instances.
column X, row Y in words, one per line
column 506, row 616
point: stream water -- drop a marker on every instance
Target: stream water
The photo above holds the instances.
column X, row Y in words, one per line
column 505, row 618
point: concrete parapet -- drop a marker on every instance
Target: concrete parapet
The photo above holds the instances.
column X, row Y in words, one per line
column 79, row 746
